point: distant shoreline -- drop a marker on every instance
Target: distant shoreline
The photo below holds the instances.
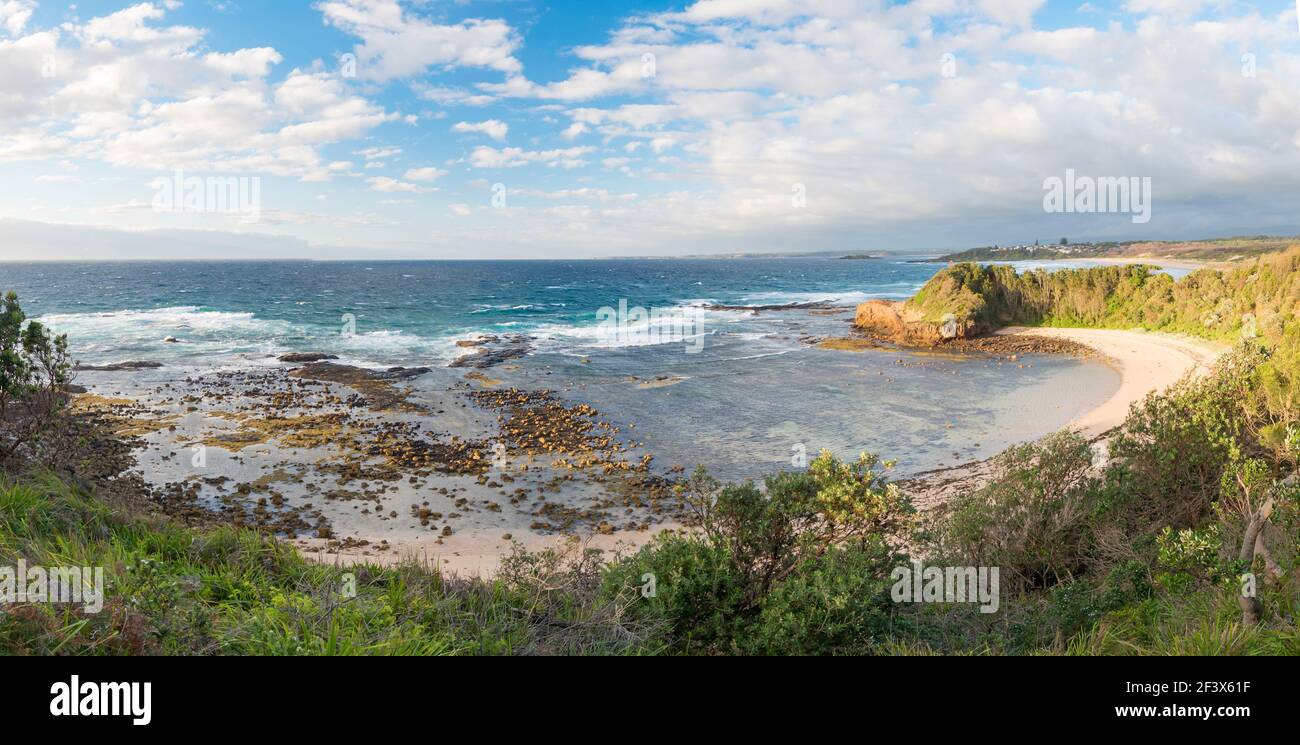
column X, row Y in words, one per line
column 1087, row 260
column 1151, row 260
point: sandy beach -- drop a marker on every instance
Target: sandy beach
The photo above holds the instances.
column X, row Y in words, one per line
column 1146, row 362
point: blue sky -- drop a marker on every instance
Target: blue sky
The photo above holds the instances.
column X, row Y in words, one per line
column 379, row 128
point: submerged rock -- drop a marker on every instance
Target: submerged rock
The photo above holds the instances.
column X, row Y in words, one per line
column 128, row 365
column 806, row 305
column 333, row 372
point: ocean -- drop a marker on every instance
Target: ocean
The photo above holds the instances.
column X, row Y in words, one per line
column 742, row 392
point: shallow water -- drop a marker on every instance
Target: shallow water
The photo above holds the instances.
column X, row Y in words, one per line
column 740, row 392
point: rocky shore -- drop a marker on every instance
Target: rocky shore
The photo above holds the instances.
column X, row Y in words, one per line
column 360, row 462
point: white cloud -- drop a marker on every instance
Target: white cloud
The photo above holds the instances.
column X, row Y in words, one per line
column 719, row 109
column 742, row 100
column 378, row 152
column 14, row 15
column 575, row 130
column 133, row 92
column 1012, row 12
column 448, row 96
column 423, row 174
column 513, row 157
column 396, row 43
column 384, row 183
column 492, row 128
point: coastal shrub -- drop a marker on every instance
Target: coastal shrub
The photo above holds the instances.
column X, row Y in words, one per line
column 34, row 371
column 1190, row 549
column 836, row 603
column 690, row 586
column 1170, row 455
column 1033, row 519
column 570, row 605
column 768, row 533
column 1275, row 400
column 801, row 564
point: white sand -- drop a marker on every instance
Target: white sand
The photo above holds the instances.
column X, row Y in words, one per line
column 1146, row 362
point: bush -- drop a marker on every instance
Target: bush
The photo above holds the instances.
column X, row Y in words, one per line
column 1033, row 519
column 801, row 565
column 769, row 533
column 836, row 603
column 169, row 590
column 1171, row 454
column 696, row 593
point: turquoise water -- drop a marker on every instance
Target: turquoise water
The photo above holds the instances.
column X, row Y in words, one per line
column 405, row 312
column 747, row 395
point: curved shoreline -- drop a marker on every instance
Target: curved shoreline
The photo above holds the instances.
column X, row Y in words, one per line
column 1146, row 361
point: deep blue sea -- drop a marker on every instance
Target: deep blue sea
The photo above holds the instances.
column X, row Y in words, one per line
column 749, row 395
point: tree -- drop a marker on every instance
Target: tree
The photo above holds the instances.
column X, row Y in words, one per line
column 1249, row 492
column 47, row 360
column 15, row 370
column 34, row 374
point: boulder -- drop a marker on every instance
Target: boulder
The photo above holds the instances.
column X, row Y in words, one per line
column 306, row 357
column 900, row 323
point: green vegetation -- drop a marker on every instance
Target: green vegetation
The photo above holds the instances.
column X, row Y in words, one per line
column 800, row 567
column 170, row 590
column 1143, row 555
column 34, row 369
column 1254, row 299
column 1146, row 555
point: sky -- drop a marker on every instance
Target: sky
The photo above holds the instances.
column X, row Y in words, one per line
column 519, row 129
